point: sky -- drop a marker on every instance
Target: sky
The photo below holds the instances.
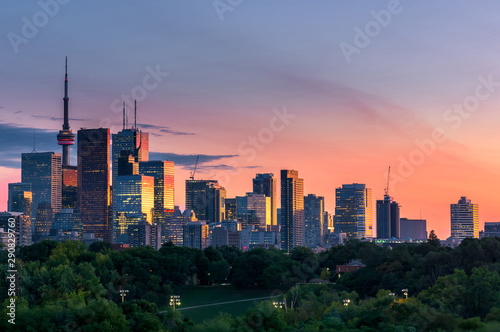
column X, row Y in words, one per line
column 338, row 90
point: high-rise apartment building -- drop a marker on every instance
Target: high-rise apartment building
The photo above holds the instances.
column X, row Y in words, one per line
column 387, row 218
column 353, row 211
column 43, row 171
column 292, row 210
column 22, row 227
column 195, row 235
column 464, row 219
column 265, row 183
column 93, row 181
column 314, row 213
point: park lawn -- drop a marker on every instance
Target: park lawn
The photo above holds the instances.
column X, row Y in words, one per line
column 198, row 295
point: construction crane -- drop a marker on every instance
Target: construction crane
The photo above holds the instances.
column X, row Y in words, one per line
column 386, row 190
column 195, row 166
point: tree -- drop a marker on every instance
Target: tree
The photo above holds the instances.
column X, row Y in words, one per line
column 433, row 239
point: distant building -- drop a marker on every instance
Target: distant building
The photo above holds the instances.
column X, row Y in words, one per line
column 491, row 229
column 68, row 220
column 163, row 174
column 222, row 236
column 314, row 213
column 207, row 199
column 254, row 209
column 133, row 141
column 413, row 229
column 195, row 235
column 388, row 221
column 352, row 266
column 43, row 171
column 255, row 238
column 265, row 183
column 464, row 219
column 69, row 187
column 22, row 227
column 133, row 202
column 231, row 209
column 335, row 239
column 43, row 221
column 173, row 228
column 292, row 210
column 20, row 198
column 144, row 234
column 353, row 211
column 93, row 181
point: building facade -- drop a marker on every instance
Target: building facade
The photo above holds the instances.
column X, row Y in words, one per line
column 265, row 183
column 163, row 174
column 314, row 213
column 93, row 181
column 353, row 211
column 464, row 219
column 292, row 210
column 207, row 199
column 388, row 219
column 254, row 209
column 413, row 228
column 43, row 171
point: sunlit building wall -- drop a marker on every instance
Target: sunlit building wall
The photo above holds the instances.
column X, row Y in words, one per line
column 266, row 184
column 133, row 202
column 292, row 210
column 163, row 174
column 254, row 209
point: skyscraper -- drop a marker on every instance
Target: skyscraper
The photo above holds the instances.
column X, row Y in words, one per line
column 387, row 218
column 292, row 210
column 353, row 211
column 20, row 198
column 43, row 171
column 195, row 235
column 266, row 184
column 133, row 140
column 254, row 209
column 464, row 219
column 163, row 174
column 314, row 213
column 93, row 181
column 207, row 199
column 133, row 202
column 44, row 220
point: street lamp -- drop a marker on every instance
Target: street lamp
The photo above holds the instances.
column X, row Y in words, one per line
column 346, row 302
column 175, row 300
column 405, row 292
column 279, row 305
column 123, row 293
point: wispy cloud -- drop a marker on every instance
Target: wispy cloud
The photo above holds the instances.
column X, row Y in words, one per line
column 188, row 159
column 53, row 118
column 163, row 129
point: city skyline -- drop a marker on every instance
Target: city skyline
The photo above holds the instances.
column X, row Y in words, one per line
column 348, row 120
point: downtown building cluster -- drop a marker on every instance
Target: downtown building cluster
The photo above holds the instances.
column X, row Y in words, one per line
column 116, row 194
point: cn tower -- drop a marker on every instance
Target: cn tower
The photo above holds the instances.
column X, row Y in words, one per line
column 65, row 136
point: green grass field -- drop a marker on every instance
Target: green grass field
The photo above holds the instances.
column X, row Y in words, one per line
column 199, row 295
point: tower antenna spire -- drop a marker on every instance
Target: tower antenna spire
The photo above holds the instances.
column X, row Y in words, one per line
column 65, row 136
column 135, row 114
column 123, row 126
column 34, row 141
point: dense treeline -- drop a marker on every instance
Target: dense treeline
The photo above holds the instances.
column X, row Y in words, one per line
column 67, row 286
